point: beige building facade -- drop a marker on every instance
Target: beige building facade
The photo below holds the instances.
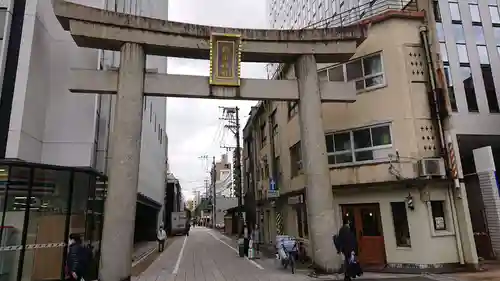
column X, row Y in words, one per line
column 387, row 168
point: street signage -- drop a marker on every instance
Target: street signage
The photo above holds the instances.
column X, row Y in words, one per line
column 272, row 184
column 273, row 193
column 225, row 59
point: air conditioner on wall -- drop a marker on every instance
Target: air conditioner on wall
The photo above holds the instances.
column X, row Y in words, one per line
column 431, row 167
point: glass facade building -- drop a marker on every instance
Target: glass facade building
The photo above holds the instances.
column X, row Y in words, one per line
column 41, row 205
column 468, row 32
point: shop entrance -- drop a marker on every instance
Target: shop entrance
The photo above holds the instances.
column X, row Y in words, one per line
column 365, row 222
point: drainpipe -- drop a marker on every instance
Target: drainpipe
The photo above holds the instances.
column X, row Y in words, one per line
column 437, row 112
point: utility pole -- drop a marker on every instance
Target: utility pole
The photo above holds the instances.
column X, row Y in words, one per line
column 206, row 187
column 231, row 114
column 214, row 195
column 238, row 169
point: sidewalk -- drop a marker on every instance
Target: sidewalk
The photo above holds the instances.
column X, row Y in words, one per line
column 142, row 249
column 490, row 271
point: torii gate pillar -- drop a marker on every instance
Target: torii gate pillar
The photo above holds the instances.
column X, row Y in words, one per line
column 319, row 197
column 119, row 217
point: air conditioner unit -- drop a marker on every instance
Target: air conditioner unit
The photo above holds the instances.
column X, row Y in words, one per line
column 431, row 167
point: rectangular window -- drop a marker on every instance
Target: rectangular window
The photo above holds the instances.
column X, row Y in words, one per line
column 367, row 72
column 458, row 33
column 455, row 12
column 400, row 221
column 470, row 92
column 489, row 86
column 463, row 56
column 451, row 90
column 435, row 9
column 438, row 215
column 474, row 12
column 295, row 159
column 495, row 16
column 360, row 145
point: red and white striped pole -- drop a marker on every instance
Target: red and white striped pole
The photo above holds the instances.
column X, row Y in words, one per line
column 453, row 162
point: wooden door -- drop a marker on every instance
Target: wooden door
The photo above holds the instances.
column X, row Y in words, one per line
column 366, row 224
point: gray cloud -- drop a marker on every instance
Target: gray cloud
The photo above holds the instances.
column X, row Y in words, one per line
column 193, row 125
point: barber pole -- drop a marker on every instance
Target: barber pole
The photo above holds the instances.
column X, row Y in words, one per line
column 453, row 165
column 453, row 161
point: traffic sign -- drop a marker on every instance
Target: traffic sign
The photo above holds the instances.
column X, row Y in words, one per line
column 272, row 184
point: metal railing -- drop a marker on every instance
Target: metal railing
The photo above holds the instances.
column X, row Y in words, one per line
column 365, row 11
column 357, row 15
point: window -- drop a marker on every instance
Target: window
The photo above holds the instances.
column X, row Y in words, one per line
column 263, row 135
column 438, row 215
column 295, row 159
column 440, row 32
column 367, row 72
column 474, row 12
column 455, row 12
column 495, row 16
column 463, row 56
column 360, row 145
column 458, row 33
column 470, row 92
column 400, row 221
column 293, row 109
column 336, row 73
column 443, row 51
column 435, row 9
column 489, row 86
column 451, row 90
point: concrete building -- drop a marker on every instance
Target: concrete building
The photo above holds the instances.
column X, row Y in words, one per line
column 386, row 152
column 223, row 177
column 43, row 122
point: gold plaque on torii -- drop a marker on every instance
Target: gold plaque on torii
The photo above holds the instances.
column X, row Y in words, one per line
column 225, row 59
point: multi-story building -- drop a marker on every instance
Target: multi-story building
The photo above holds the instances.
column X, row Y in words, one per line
column 43, row 122
column 394, row 160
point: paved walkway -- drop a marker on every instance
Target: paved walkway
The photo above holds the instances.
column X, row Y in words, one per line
column 207, row 255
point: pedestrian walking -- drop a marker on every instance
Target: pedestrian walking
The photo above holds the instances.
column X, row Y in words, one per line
column 161, row 236
column 256, row 239
column 77, row 259
column 346, row 243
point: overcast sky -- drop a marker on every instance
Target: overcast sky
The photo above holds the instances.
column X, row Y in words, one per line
column 193, row 125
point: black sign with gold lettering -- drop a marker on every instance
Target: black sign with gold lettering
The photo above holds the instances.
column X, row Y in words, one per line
column 225, row 50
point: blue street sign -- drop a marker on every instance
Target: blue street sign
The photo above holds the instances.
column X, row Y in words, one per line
column 272, row 184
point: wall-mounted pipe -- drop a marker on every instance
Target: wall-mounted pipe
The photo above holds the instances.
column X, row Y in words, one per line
column 436, row 110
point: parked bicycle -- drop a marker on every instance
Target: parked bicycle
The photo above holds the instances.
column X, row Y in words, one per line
column 287, row 251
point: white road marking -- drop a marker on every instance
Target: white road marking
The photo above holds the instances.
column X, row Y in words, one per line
column 236, row 250
column 179, row 258
column 144, row 257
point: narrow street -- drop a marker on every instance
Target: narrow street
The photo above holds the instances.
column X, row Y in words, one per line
column 206, row 255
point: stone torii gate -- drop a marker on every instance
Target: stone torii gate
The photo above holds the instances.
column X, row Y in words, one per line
column 135, row 37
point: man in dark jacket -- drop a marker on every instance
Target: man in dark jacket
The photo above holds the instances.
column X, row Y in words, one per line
column 346, row 243
column 76, row 262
